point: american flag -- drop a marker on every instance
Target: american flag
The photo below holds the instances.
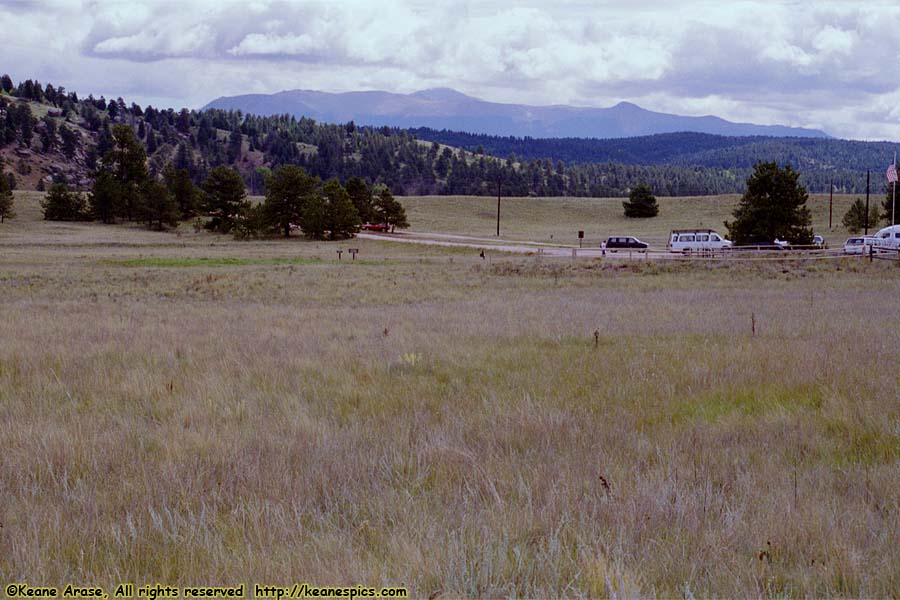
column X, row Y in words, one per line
column 892, row 173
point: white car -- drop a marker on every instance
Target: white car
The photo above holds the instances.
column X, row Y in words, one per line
column 859, row 244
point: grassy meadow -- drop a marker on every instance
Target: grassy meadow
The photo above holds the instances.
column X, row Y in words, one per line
column 186, row 409
column 538, row 219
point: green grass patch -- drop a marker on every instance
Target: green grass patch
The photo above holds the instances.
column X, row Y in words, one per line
column 225, row 261
column 718, row 404
column 855, row 444
column 182, row 262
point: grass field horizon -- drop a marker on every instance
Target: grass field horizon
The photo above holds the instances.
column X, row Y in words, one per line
column 188, row 409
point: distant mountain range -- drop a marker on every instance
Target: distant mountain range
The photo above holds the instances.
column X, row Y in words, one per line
column 444, row 108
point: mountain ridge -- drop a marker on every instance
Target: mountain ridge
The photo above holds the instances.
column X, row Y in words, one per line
column 446, row 108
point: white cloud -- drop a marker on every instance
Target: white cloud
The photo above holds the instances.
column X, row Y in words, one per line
column 158, row 42
column 827, row 64
column 833, row 40
column 256, row 44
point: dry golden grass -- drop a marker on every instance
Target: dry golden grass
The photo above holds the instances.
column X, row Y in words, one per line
column 422, row 418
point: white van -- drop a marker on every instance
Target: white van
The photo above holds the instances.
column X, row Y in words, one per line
column 696, row 240
column 887, row 240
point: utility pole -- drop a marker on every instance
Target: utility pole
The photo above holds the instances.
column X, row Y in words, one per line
column 867, row 202
column 499, row 178
column 894, row 198
column 830, row 202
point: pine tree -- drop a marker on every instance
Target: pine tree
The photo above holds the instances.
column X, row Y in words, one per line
column 342, row 218
column 361, row 196
column 156, row 206
column 105, row 197
column 315, row 216
column 69, row 141
column 186, row 194
column 389, row 210
column 126, row 162
column 888, row 206
column 855, row 217
column 641, row 203
column 225, row 197
column 63, row 205
column 287, row 192
column 773, row 207
column 7, row 210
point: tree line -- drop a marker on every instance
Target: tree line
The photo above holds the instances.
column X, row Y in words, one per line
column 125, row 190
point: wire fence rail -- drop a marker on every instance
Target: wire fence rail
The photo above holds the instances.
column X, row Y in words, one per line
column 743, row 253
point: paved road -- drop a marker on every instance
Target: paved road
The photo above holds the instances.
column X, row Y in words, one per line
column 513, row 246
column 550, row 250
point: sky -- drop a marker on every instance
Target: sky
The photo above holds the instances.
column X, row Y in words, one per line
column 827, row 65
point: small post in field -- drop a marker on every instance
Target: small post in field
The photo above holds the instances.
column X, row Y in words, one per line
column 499, row 180
column 339, row 252
column 753, row 324
column 353, row 252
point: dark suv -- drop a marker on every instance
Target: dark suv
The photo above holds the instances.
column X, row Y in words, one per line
column 625, row 242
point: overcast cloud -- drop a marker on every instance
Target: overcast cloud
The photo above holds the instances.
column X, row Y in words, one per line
column 829, row 65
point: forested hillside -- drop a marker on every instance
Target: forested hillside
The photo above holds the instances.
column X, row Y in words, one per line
column 819, row 160
column 50, row 135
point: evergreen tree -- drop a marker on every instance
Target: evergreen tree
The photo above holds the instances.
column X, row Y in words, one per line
column 888, row 206
column 6, row 198
column 361, row 197
column 69, row 141
column 389, row 210
column 315, row 216
column 6, row 83
column 26, row 124
column 156, row 206
column 342, row 218
column 127, row 161
column 187, row 195
column 235, row 141
column 63, row 205
column 287, row 191
column 774, row 206
column 48, row 134
column 855, row 217
column 105, row 197
column 183, row 123
column 641, row 203
column 225, row 198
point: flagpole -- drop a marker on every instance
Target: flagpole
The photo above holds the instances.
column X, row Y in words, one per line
column 894, row 198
